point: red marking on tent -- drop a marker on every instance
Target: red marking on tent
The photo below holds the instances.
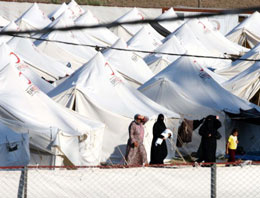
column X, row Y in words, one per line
column 113, row 73
column 201, row 69
column 142, row 17
column 29, row 82
column 20, row 73
column 204, row 26
column 194, row 61
column 217, row 24
column 18, row 59
column 71, row 11
column 80, row 11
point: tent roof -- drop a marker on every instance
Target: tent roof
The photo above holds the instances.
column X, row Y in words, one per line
column 245, row 84
column 76, row 8
column 100, row 83
column 172, row 45
column 170, row 25
column 10, row 27
column 58, row 11
column 103, row 35
column 26, row 103
column 3, row 21
column 128, row 63
column 248, row 30
column 194, row 46
column 7, row 56
column 196, row 85
column 135, row 14
column 251, row 24
column 33, row 18
column 144, row 40
column 214, row 40
column 239, row 66
column 66, row 53
column 38, row 60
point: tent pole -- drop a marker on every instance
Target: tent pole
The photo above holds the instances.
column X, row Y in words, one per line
column 258, row 102
column 178, row 151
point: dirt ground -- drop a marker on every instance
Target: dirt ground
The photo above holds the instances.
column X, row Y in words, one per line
column 161, row 3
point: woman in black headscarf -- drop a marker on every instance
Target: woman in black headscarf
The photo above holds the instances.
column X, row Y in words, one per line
column 158, row 152
column 209, row 136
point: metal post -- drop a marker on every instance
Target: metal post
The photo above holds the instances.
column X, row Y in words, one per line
column 199, row 1
column 22, row 190
column 213, row 181
column 21, row 185
column 25, row 181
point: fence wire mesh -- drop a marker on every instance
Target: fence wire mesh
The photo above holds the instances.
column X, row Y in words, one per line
column 181, row 181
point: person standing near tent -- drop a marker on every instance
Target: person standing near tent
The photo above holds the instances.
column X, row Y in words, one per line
column 232, row 145
column 135, row 151
column 158, row 151
column 209, row 136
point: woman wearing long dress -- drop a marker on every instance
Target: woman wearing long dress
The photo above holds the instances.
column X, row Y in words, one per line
column 158, row 152
column 135, row 151
column 209, row 136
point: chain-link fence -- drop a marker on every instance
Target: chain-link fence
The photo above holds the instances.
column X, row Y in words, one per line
column 192, row 180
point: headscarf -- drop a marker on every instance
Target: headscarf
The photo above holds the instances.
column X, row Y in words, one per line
column 160, row 118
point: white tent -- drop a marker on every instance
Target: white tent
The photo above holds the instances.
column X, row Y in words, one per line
column 144, row 41
column 7, row 56
column 10, row 27
column 127, row 31
column 42, row 64
column 194, row 46
column 186, row 88
column 14, row 147
column 76, row 138
column 187, row 73
column 68, row 54
column 169, row 52
column 103, row 35
column 128, row 64
column 81, row 36
column 73, row 9
column 170, row 25
column 76, row 9
column 158, row 61
column 213, row 40
column 58, row 11
column 3, row 21
column 247, row 32
column 245, row 84
column 98, row 91
column 241, row 64
column 33, row 18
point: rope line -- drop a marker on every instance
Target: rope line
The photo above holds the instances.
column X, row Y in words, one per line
column 99, row 48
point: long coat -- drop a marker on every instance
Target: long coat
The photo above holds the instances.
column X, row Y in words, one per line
column 135, row 155
column 208, row 132
column 158, row 152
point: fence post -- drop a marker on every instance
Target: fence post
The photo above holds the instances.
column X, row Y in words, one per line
column 22, row 190
column 213, row 181
column 25, row 181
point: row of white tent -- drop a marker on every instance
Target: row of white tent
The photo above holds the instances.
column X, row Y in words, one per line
column 83, row 117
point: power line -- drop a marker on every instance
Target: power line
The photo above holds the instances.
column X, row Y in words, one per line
column 133, row 22
column 98, row 48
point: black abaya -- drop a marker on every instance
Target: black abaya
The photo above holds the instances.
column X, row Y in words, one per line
column 158, row 152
